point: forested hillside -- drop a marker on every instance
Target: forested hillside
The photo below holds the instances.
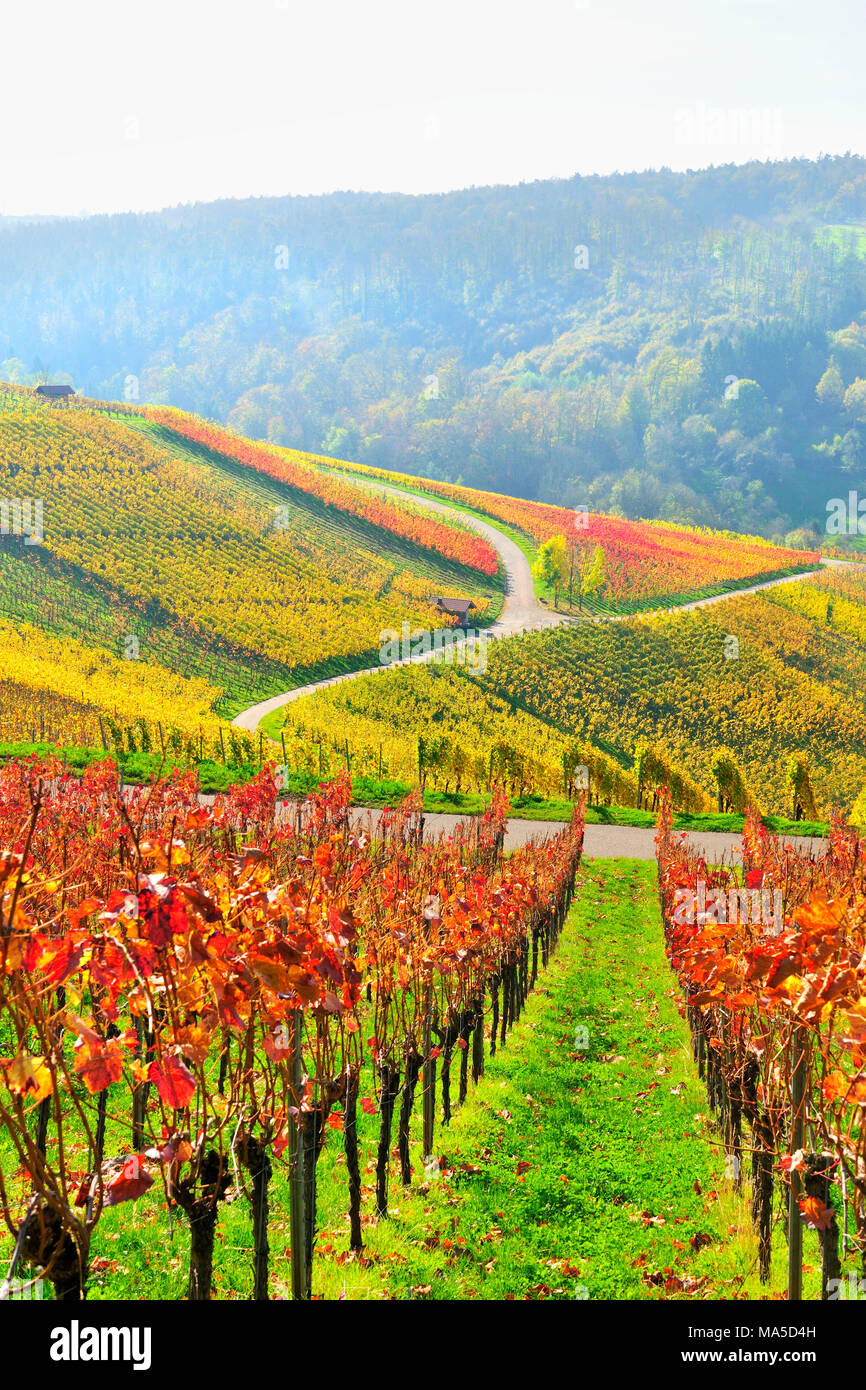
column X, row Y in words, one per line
column 685, row 346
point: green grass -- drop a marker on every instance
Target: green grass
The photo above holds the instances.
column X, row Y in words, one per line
column 581, row 1172
column 368, row 792
column 581, row 1167
column 541, row 808
column 137, row 768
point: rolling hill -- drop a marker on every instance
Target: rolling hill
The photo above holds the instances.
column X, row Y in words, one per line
column 186, row 573
column 680, row 346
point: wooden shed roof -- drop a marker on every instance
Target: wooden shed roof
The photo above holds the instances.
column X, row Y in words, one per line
column 458, row 606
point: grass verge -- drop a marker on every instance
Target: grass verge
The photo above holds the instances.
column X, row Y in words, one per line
column 368, row 792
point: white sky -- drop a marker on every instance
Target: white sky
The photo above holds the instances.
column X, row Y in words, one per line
column 112, row 106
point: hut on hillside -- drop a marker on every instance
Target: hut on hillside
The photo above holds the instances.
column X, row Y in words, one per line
column 56, row 393
column 458, row 608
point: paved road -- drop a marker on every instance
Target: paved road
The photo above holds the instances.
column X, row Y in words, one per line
column 521, row 610
column 600, row 841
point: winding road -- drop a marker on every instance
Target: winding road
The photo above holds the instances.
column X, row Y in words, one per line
column 521, row 610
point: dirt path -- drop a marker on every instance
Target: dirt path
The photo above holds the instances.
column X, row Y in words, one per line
column 521, row 610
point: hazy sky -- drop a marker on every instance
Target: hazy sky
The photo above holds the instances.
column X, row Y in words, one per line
column 116, row 106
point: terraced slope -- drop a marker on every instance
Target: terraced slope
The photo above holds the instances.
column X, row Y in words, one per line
column 770, row 675
column 160, row 550
column 646, row 562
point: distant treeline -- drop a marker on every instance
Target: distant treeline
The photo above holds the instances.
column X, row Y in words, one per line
column 690, row 346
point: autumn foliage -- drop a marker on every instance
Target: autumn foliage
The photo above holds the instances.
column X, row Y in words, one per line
column 642, row 559
column 771, row 961
column 218, row 986
column 297, row 470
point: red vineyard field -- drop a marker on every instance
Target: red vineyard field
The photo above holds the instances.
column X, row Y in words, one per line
column 192, row 997
column 772, row 963
column 643, row 559
column 278, row 463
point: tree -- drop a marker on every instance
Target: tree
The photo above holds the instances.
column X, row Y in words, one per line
column 855, row 400
column 637, row 494
column 341, row 443
column 749, row 406
column 551, row 565
column 803, row 805
column 635, row 409
column 591, row 572
column 803, row 539
column 831, row 387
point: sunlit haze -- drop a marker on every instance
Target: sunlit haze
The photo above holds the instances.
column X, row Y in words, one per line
column 113, row 107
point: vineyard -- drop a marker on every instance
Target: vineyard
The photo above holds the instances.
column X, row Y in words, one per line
column 295, row 471
column 595, row 692
column 643, row 560
column 223, row 1020
column 241, row 585
column 59, row 690
column 265, row 570
column 245, row 1047
column 791, row 687
column 770, row 961
column 194, row 999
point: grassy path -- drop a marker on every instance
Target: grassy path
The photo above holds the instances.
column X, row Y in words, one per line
column 575, row 1172
column 584, row 1165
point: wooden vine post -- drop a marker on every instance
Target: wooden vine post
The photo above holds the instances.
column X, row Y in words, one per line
column 300, row 1286
column 428, row 1083
column 798, row 1130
